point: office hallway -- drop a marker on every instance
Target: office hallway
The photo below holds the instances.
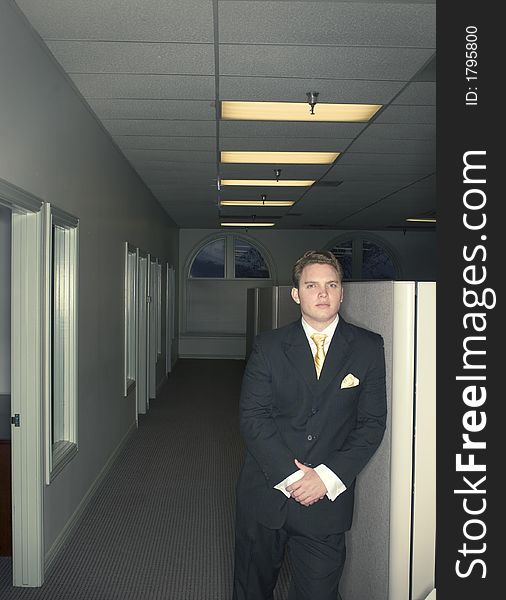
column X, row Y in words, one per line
column 162, row 522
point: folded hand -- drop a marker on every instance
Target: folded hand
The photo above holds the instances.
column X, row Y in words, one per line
column 309, row 489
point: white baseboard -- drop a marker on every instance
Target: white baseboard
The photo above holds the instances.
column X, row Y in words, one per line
column 58, row 544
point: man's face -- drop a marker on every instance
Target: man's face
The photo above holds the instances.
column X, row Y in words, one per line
column 319, row 295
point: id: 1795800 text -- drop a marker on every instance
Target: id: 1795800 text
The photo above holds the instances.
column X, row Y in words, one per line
column 472, row 65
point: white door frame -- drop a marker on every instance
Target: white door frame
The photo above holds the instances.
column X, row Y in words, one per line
column 141, row 393
column 152, row 330
column 169, row 317
column 27, row 383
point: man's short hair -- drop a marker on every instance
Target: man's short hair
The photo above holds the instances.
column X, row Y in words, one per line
column 315, row 257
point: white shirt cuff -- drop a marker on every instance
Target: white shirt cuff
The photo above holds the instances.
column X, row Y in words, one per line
column 282, row 485
column 331, row 481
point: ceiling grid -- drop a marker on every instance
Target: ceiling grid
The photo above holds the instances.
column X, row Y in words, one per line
column 155, row 72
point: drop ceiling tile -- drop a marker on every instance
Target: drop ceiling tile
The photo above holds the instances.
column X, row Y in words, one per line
column 186, row 194
column 201, row 176
column 133, row 57
column 169, row 87
column 261, row 171
column 407, row 114
column 350, row 173
column 173, row 179
column 171, row 155
column 249, row 211
column 289, row 129
column 399, row 131
column 156, row 20
column 387, row 160
column 229, row 193
column 279, row 144
column 291, row 89
column 159, row 127
column 394, row 64
column 179, row 203
column 108, row 108
column 395, row 147
column 130, row 142
column 418, row 93
column 352, row 191
column 328, row 23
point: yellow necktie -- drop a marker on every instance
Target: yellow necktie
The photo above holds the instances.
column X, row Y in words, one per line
column 319, row 357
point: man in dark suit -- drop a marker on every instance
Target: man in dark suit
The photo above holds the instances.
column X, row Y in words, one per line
column 312, row 413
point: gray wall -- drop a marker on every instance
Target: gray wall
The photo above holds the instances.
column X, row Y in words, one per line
column 52, row 146
column 415, row 253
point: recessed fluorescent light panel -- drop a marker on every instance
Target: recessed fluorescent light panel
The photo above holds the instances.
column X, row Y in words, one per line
column 252, row 224
column 297, row 111
column 422, row 220
column 280, row 158
column 257, row 203
column 269, row 182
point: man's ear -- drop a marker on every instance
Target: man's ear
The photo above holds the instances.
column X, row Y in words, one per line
column 295, row 295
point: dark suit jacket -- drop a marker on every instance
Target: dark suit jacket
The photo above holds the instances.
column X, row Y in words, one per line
column 287, row 413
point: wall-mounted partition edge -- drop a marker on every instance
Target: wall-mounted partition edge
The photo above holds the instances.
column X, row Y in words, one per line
column 402, row 441
column 27, row 378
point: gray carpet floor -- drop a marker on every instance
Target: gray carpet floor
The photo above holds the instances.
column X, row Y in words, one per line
column 161, row 525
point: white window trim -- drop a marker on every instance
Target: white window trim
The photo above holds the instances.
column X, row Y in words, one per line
column 58, row 457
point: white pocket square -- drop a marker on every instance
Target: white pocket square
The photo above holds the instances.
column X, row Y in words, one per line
column 349, row 381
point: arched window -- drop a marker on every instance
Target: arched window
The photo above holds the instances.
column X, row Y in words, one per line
column 210, row 260
column 363, row 256
column 219, row 273
column 229, row 257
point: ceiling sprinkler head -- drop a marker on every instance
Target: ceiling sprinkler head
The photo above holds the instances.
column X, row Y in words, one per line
column 312, row 99
column 277, row 173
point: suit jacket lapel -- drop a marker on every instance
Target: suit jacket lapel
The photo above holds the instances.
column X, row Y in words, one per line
column 299, row 353
column 335, row 359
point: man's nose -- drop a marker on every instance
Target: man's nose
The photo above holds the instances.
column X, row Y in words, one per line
column 322, row 292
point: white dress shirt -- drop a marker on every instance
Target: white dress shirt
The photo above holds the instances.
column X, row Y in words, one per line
column 331, row 481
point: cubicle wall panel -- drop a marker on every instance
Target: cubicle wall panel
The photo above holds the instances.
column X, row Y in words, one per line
column 424, row 500
column 370, row 305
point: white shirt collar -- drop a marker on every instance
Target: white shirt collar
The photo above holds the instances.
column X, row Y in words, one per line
column 328, row 331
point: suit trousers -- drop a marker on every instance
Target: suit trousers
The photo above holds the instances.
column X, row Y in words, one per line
column 316, row 561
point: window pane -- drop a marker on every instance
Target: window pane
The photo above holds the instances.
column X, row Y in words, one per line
column 248, row 261
column 344, row 253
column 59, row 324
column 210, row 261
column 376, row 262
